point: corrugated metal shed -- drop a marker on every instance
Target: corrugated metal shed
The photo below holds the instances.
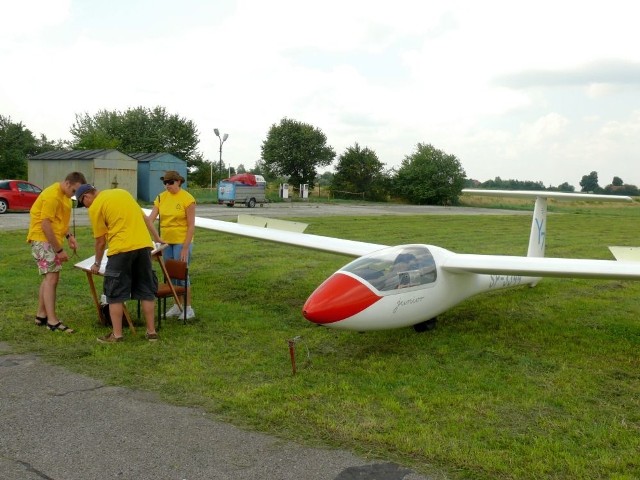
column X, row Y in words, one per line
column 151, row 166
column 104, row 168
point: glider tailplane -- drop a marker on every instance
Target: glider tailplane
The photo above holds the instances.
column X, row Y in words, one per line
column 626, row 254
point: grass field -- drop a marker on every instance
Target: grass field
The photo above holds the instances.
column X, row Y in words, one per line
column 519, row 384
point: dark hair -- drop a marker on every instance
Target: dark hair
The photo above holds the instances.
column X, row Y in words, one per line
column 76, row 177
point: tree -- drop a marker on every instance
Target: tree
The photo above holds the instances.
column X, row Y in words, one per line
column 565, row 187
column 139, row 130
column 624, row 189
column 16, row 144
column 201, row 174
column 325, row 179
column 360, row 171
column 429, row 176
column 295, row 150
column 589, row 183
column 511, row 184
column 618, row 187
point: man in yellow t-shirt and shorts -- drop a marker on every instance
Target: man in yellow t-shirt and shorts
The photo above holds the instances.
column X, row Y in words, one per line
column 119, row 224
column 48, row 227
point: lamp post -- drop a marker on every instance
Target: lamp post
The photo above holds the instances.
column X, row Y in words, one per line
column 222, row 140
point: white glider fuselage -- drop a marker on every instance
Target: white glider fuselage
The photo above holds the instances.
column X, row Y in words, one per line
column 348, row 300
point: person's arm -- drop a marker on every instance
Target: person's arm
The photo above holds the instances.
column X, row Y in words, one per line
column 191, row 228
column 100, row 246
column 47, row 229
column 71, row 239
column 152, row 228
column 154, row 214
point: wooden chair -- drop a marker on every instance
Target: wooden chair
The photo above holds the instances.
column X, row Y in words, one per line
column 172, row 270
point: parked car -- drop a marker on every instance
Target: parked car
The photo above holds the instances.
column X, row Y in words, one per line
column 17, row 195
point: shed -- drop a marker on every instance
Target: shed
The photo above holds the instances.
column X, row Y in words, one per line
column 104, row 168
column 151, row 166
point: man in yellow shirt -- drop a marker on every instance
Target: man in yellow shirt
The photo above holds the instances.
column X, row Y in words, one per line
column 48, row 227
column 119, row 223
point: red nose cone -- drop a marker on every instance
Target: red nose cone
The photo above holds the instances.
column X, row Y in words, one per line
column 339, row 297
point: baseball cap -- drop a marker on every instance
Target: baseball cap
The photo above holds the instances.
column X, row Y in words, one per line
column 84, row 188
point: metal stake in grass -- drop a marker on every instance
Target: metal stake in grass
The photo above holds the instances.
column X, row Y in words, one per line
column 292, row 353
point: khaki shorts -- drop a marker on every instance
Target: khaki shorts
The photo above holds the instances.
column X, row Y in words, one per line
column 46, row 258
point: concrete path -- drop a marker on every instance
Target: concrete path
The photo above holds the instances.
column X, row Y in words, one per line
column 58, row 425
column 20, row 220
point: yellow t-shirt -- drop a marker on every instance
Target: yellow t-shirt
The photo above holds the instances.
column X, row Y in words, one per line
column 117, row 215
column 173, row 214
column 53, row 204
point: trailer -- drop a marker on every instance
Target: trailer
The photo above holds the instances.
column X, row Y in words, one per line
column 246, row 189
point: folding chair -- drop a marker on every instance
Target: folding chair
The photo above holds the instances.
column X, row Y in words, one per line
column 172, row 270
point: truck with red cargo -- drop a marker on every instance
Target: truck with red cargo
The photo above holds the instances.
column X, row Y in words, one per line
column 245, row 188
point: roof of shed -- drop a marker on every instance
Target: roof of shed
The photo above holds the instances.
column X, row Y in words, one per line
column 91, row 154
column 146, row 157
column 73, row 154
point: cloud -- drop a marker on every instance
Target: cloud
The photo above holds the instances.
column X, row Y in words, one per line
column 603, row 72
column 29, row 17
column 516, row 89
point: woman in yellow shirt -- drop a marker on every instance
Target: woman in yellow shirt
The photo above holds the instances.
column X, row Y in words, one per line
column 177, row 210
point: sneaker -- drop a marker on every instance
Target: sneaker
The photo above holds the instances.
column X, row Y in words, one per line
column 111, row 338
column 152, row 337
column 174, row 311
column 190, row 313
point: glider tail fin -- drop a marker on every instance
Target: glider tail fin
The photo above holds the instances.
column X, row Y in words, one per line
column 538, row 235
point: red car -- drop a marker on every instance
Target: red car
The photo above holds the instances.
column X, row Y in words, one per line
column 17, row 195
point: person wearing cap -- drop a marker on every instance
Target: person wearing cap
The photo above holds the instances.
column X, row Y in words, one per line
column 48, row 227
column 119, row 223
column 177, row 210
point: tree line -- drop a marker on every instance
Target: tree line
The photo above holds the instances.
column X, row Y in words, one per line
column 292, row 152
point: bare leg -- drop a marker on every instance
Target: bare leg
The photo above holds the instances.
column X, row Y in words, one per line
column 148, row 309
column 42, row 310
column 116, row 311
column 47, row 296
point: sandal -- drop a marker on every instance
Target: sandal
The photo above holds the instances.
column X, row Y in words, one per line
column 41, row 321
column 60, row 326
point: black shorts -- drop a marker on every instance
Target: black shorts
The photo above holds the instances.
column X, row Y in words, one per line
column 129, row 275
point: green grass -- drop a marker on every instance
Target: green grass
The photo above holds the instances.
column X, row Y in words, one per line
column 519, row 384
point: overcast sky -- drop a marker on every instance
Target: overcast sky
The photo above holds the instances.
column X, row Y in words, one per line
column 531, row 90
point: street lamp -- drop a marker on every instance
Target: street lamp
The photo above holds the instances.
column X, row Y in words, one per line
column 222, row 140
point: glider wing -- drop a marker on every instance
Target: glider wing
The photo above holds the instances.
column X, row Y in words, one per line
column 316, row 242
column 542, row 267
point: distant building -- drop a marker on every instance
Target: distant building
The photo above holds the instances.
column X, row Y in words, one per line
column 151, row 166
column 104, row 168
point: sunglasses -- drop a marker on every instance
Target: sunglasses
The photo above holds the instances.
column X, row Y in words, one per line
column 169, row 182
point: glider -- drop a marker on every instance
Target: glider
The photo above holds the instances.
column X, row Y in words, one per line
column 389, row 287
